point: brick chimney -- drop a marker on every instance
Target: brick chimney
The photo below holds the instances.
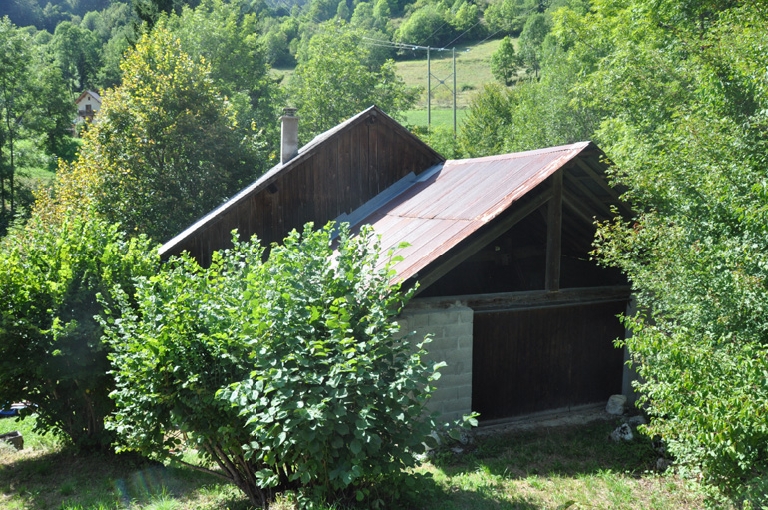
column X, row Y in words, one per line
column 289, row 135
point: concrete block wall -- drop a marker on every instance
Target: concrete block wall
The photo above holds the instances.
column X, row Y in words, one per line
column 451, row 329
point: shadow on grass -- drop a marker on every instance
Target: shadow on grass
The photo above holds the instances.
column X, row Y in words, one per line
column 429, row 494
column 567, row 451
column 65, row 479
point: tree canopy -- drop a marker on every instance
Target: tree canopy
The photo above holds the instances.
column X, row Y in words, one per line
column 166, row 148
column 504, row 62
column 227, row 39
column 36, row 114
column 338, row 76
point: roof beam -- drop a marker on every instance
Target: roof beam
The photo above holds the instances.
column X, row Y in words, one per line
column 528, row 299
column 572, row 203
column 599, row 204
column 603, row 183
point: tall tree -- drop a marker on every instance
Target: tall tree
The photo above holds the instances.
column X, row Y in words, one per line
column 150, row 11
column 166, row 149
column 681, row 90
column 228, row 40
column 429, row 24
column 14, row 82
column 52, row 110
column 78, row 52
column 504, row 62
column 531, row 42
column 508, row 16
column 337, row 78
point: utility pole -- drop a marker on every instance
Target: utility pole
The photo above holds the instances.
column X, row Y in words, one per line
column 440, row 82
column 429, row 92
column 414, row 47
column 454, row 92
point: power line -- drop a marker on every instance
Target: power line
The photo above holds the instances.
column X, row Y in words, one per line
column 481, row 42
column 463, row 34
column 433, row 33
column 403, row 46
column 408, row 46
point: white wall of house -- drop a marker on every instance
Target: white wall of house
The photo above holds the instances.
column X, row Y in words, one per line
column 86, row 103
column 451, row 328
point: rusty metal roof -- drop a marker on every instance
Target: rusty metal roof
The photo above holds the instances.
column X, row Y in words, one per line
column 445, row 206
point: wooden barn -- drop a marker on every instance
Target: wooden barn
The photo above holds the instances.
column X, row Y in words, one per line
column 499, row 245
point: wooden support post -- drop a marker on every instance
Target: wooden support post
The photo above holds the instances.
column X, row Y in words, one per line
column 554, row 237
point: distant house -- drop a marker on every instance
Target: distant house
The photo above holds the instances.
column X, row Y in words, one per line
column 88, row 103
column 499, row 245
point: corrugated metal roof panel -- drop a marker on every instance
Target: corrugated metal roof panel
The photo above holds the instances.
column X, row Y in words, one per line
column 435, row 215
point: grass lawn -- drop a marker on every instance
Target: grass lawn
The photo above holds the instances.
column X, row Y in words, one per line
column 574, row 467
column 43, row 175
column 473, row 69
column 440, row 117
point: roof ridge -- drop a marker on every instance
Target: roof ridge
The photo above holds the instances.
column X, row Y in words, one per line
column 516, row 155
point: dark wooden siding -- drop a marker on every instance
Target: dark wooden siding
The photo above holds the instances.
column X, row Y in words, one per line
column 338, row 175
column 532, row 360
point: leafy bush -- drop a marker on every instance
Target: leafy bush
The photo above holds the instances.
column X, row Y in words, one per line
column 466, row 21
column 440, row 138
column 507, row 16
column 288, row 374
column 429, row 24
column 50, row 349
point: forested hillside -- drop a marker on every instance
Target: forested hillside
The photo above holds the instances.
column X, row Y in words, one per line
column 56, row 50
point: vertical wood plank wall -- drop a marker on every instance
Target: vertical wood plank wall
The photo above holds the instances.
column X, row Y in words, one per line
column 343, row 173
column 546, row 358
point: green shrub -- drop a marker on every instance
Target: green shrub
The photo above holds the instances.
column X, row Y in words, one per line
column 288, row 374
column 440, row 138
column 50, row 349
column 692, row 153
